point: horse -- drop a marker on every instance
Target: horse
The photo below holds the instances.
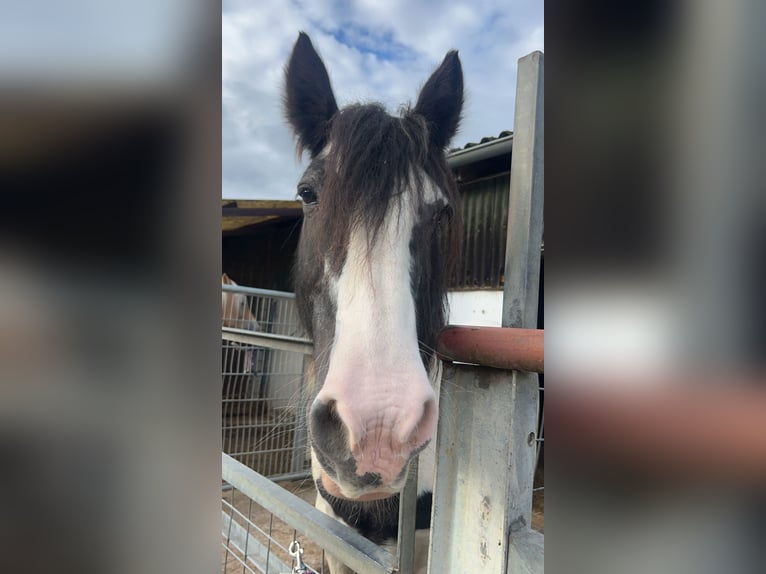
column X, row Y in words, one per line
column 238, row 362
column 235, row 312
column 380, row 213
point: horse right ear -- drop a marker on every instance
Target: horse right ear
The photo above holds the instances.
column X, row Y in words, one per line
column 441, row 100
column 308, row 100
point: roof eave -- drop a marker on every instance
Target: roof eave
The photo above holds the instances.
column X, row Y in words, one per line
column 494, row 148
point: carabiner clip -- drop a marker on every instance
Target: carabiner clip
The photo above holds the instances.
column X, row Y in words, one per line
column 296, row 552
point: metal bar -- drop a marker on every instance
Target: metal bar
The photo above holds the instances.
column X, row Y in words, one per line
column 345, row 544
column 291, row 476
column 268, row 340
column 525, row 203
column 257, row 291
column 513, row 349
column 300, row 438
column 268, row 364
column 408, row 500
column 520, row 298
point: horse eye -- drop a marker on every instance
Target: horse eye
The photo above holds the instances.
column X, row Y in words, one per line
column 444, row 211
column 307, row 195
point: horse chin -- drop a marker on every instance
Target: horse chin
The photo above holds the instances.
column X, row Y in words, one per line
column 332, row 488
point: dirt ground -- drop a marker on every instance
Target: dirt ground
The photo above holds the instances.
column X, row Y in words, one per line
column 312, row 554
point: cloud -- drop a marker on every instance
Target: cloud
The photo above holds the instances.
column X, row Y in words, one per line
column 374, row 51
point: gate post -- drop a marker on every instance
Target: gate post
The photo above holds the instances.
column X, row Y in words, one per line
column 525, row 204
column 520, row 300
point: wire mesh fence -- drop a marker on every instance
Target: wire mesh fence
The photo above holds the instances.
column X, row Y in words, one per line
column 256, row 541
column 261, row 520
column 262, row 420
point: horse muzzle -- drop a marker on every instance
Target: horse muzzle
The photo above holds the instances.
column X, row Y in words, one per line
column 364, row 447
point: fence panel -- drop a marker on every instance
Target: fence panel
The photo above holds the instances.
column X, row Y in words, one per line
column 263, row 422
column 325, row 532
column 255, row 541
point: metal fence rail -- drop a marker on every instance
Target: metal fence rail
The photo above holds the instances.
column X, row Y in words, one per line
column 333, row 537
column 255, row 541
column 274, row 311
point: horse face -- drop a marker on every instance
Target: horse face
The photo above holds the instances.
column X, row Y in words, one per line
column 370, row 270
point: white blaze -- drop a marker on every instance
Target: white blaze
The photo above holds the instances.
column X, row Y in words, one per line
column 376, row 375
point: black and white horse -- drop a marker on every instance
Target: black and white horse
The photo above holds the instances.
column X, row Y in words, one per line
column 378, row 201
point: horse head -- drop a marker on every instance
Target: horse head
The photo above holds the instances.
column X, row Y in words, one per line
column 235, row 310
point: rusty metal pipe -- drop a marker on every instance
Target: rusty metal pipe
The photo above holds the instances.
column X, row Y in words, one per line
column 502, row 348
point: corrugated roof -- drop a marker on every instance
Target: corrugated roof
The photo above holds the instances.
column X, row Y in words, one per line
column 503, row 134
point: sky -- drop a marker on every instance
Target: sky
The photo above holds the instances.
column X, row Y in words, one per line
column 374, row 50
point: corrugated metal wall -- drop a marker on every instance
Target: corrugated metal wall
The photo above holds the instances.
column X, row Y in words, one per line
column 264, row 257
column 485, row 222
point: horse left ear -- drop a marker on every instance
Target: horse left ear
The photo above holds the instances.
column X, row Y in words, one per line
column 441, row 100
column 309, row 101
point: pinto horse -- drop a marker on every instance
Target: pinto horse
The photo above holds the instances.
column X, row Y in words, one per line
column 379, row 207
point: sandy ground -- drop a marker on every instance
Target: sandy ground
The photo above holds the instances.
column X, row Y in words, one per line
column 283, row 533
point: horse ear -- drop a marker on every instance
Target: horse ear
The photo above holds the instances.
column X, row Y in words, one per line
column 309, row 101
column 441, row 100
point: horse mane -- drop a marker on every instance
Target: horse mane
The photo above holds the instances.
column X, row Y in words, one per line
column 374, row 157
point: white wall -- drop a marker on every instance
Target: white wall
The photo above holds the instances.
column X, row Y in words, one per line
column 483, row 308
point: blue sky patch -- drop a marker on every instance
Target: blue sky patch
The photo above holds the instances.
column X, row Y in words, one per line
column 380, row 44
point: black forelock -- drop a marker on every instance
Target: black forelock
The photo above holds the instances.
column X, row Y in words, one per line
column 373, row 157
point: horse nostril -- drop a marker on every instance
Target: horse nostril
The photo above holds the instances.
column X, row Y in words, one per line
column 330, row 411
column 324, row 413
column 325, row 423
